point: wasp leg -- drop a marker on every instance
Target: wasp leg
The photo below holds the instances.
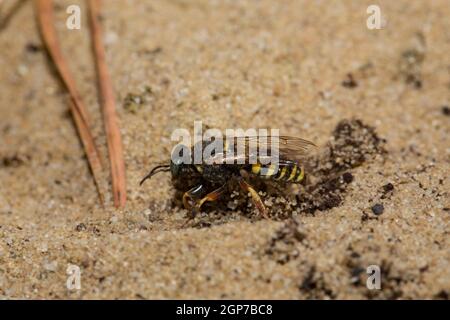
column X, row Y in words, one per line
column 255, row 197
column 191, row 194
column 212, row 196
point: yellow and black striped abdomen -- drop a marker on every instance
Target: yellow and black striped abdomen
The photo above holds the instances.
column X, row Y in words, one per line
column 290, row 172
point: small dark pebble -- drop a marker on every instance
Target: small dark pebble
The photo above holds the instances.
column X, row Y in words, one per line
column 388, row 187
column 308, row 282
column 417, row 84
column 446, row 110
column 32, row 47
column 12, row 161
column 378, row 209
column 154, row 51
column 424, row 269
column 349, row 82
column 442, row 295
column 80, row 227
column 348, row 177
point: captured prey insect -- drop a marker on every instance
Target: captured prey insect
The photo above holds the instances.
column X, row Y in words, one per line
column 214, row 174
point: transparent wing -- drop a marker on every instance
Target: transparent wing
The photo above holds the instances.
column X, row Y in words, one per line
column 246, row 149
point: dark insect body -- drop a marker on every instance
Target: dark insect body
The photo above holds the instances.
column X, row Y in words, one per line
column 216, row 172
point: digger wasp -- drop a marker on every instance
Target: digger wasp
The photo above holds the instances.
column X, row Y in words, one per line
column 216, row 171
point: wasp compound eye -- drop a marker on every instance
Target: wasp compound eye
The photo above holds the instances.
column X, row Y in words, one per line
column 175, row 168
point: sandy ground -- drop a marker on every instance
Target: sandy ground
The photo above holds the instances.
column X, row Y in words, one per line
column 278, row 64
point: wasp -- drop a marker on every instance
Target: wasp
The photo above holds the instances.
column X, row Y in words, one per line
column 215, row 173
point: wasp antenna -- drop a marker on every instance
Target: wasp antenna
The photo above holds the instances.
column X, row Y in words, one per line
column 145, row 178
column 165, row 168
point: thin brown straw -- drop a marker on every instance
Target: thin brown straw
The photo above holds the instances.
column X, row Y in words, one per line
column 115, row 147
column 77, row 107
column 6, row 18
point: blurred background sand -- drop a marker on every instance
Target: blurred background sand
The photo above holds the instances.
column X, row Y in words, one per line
column 279, row 64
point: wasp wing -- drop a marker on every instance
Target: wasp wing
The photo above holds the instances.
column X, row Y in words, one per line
column 256, row 149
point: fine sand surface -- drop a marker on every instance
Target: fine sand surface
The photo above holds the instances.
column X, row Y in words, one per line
column 373, row 100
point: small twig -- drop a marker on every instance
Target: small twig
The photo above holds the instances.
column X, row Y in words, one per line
column 4, row 20
column 114, row 140
column 77, row 107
